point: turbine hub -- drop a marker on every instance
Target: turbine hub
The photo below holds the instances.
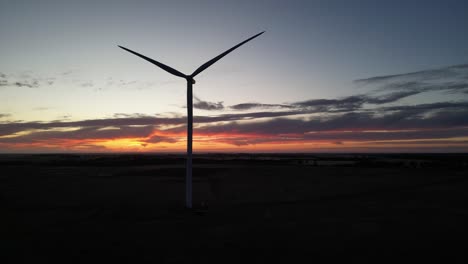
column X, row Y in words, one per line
column 193, row 81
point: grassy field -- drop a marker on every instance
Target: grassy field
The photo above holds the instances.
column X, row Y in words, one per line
column 129, row 209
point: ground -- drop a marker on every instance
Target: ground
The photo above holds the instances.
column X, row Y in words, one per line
column 130, row 208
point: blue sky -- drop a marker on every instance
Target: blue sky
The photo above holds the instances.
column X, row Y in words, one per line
column 67, row 52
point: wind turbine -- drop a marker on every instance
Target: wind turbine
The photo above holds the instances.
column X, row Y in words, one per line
column 190, row 82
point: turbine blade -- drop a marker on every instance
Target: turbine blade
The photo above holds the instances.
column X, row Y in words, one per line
column 210, row 62
column 160, row 65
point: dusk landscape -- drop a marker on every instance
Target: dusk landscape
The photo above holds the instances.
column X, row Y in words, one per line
column 322, row 131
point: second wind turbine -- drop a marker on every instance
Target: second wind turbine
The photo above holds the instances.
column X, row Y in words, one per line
column 190, row 82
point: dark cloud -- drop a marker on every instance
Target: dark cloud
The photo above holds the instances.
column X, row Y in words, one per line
column 160, row 139
column 134, row 115
column 33, row 84
column 8, row 128
column 89, row 147
column 443, row 114
column 86, row 133
column 349, row 103
column 455, row 71
column 246, row 116
column 244, row 141
column 23, row 81
column 4, row 115
column 389, row 98
column 421, row 87
column 354, row 102
column 341, row 137
column 205, row 105
column 426, row 142
column 453, row 79
column 388, row 135
column 428, row 107
column 401, row 120
column 249, row 106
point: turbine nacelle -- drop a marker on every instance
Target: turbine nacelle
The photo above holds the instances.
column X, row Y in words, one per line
column 190, row 79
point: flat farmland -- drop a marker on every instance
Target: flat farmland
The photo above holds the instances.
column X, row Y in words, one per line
column 130, row 208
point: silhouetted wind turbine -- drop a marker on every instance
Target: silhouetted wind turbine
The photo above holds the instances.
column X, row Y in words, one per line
column 190, row 82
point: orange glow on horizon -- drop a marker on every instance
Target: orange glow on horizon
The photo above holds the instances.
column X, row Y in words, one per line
column 138, row 145
column 163, row 141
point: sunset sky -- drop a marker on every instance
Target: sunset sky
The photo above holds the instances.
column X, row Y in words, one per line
column 327, row 76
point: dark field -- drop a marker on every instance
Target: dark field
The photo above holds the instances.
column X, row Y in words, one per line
column 248, row 208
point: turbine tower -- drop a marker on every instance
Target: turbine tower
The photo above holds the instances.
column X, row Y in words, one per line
column 190, row 82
